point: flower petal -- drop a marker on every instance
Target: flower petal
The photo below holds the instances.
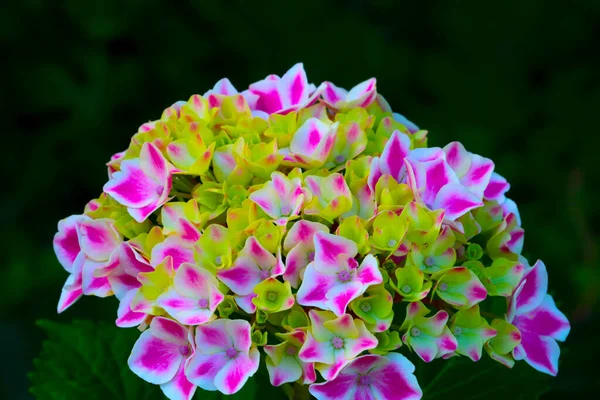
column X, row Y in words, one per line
column 534, row 288
column 236, row 372
column 153, row 359
column 393, row 155
column 98, row 238
column 456, row 200
column 132, row 187
column 544, row 320
column 213, row 337
column 541, row 352
column 203, row 368
column 169, row 330
column 66, row 241
column 179, row 388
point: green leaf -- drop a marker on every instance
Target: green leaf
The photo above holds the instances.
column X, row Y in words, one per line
column 461, row 378
column 87, row 360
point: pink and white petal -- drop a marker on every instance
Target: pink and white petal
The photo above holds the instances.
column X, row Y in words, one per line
column 131, row 261
column 288, row 370
column 432, row 176
column 456, row 200
column 267, row 199
column 365, row 341
column 478, row 176
column 120, row 281
column 92, row 285
column 331, row 371
column 534, row 289
column 153, row 359
column 309, row 373
column 332, row 94
column 363, row 94
column 510, row 207
column 242, row 277
column 458, row 158
column 314, row 288
column 203, row 368
column 296, row 262
column 340, row 295
column 293, row 86
column 224, row 87
column 212, row 338
column 541, row 352
column 175, row 247
column 368, row 273
column 232, row 377
column 140, row 214
column 395, row 379
column 153, row 163
column 173, row 302
column 126, row 318
column 310, row 138
column 179, row 388
column 544, row 320
column 66, row 241
column 393, row 155
column 239, row 331
column 375, row 173
column 70, row 294
column 245, row 302
column 496, row 188
column 193, row 281
column 98, row 238
column 315, row 351
column 132, row 187
column 424, row 154
column 269, row 100
column 196, row 316
column 342, row 387
column 329, row 247
column 258, row 253
column 169, row 330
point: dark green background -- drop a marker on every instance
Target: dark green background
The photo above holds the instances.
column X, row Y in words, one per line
column 516, row 82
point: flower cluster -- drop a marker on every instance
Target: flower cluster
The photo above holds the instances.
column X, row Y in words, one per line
column 311, row 227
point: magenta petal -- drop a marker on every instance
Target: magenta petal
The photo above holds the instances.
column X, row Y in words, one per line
column 541, row 352
column 169, row 330
column 66, row 241
column 175, row 247
column 478, row 177
column 293, row 86
column 534, row 289
column 179, row 388
column 395, row 379
column 392, row 158
column 545, row 320
column 92, row 285
column 132, row 187
column 69, row 295
column 155, row 360
column 341, row 387
column 236, row 372
column 203, row 368
column 126, row 318
column 496, row 188
column 456, row 200
column 153, row 163
column 98, row 238
column 314, row 288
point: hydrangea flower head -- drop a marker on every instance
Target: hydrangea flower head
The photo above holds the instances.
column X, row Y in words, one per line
column 312, row 226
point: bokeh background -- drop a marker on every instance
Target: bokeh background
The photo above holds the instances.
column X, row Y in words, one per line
column 515, row 81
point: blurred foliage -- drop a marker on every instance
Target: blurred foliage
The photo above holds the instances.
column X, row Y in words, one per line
column 516, row 81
